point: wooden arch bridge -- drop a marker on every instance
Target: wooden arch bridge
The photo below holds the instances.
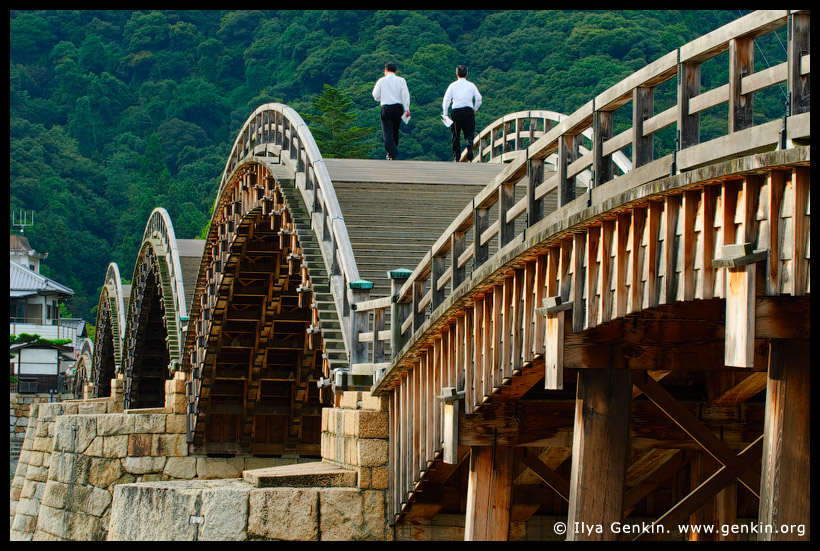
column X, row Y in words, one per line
column 576, row 327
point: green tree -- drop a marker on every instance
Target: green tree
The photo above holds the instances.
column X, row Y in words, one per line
column 334, row 133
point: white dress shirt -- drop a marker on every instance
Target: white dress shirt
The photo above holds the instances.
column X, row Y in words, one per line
column 392, row 89
column 462, row 93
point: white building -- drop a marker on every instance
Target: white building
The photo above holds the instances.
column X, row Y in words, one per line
column 34, row 309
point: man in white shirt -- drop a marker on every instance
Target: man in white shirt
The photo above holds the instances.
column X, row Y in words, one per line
column 391, row 91
column 465, row 100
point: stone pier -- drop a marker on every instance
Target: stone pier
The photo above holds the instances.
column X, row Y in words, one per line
column 89, row 471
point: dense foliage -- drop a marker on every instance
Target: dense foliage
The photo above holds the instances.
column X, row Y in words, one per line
column 113, row 113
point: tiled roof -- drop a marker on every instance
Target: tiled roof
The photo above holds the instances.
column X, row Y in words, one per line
column 24, row 282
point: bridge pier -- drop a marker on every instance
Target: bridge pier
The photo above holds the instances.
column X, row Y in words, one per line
column 786, row 471
column 489, row 493
column 599, row 452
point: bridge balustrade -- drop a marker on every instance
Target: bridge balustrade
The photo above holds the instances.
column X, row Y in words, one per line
column 511, row 135
column 276, row 130
column 432, row 346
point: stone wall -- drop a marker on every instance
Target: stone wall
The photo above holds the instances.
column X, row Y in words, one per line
column 19, row 412
column 90, row 472
column 343, row 498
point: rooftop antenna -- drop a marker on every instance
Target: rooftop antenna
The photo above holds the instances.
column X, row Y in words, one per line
column 21, row 219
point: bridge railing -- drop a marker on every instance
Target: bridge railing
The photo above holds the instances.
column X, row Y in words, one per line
column 511, row 135
column 276, row 130
column 491, row 217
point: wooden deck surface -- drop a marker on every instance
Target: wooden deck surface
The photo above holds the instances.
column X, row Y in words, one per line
column 411, row 172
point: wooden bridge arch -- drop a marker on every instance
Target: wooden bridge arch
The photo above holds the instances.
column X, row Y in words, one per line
column 156, row 316
column 258, row 353
column 108, row 351
column 83, row 369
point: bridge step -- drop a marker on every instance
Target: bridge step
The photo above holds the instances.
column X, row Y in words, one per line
column 301, row 475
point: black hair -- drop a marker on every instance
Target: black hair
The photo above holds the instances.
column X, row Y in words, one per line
column 461, row 71
column 390, row 66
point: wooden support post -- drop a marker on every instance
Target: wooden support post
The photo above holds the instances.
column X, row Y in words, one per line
column 599, row 450
column 798, row 80
column 785, row 487
column 576, row 295
column 489, row 493
column 535, row 208
column 554, row 309
column 740, row 302
column 592, row 272
column 643, row 106
column 477, row 394
column 450, row 399
column 741, row 64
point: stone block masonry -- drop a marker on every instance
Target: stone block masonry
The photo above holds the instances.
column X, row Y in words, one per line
column 89, row 471
column 341, row 498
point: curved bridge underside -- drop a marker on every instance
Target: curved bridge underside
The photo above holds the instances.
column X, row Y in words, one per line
column 157, row 314
column 110, row 330
column 257, row 354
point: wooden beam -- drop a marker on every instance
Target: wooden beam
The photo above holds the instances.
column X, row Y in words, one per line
column 602, row 408
column 700, row 495
column 719, row 511
column 489, row 493
column 550, row 477
column 670, row 462
column 694, row 428
column 785, row 497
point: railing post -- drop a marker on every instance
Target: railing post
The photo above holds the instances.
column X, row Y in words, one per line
column 457, row 246
column 506, row 199
column 481, row 221
column 798, row 83
column 360, row 291
column 418, row 295
column 741, row 64
column 601, row 131
column 398, row 311
column 436, row 271
column 643, row 106
column 567, row 152
column 535, row 207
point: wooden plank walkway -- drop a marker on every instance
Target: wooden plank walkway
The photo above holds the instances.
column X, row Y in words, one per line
column 395, row 210
column 411, row 172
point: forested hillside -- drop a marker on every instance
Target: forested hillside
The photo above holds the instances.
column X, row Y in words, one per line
column 114, row 113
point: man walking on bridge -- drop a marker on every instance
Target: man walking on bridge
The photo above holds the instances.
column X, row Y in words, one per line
column 391, row 91
column 465, row 100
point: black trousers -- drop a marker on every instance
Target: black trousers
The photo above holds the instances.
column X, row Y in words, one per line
column 391, row 122
column 463, row 122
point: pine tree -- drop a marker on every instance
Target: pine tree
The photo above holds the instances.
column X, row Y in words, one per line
column 333, row 130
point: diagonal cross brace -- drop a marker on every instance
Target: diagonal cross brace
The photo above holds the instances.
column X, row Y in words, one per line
column 699, row 432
